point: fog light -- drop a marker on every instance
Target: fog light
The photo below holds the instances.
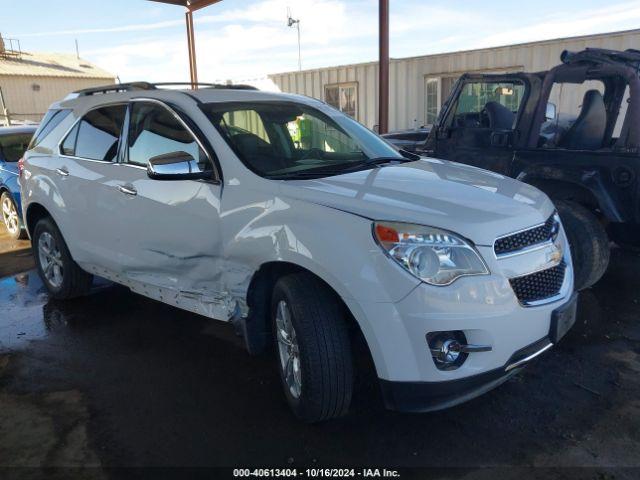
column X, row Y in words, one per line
column 450, row 350
column 445, row 349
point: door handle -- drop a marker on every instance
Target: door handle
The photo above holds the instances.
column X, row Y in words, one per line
column 127, row 190
column 62, row 172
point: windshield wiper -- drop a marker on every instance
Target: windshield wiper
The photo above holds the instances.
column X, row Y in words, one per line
column 353, row 167
column 373, row 162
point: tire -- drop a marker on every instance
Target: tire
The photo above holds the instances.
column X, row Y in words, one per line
column 321, row 337
column 59, row 272
column 11, row 217
column 588, row 241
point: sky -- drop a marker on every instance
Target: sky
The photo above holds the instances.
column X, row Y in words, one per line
column 242, row 40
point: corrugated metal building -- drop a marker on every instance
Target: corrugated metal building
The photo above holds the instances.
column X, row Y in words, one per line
column 30, row 82
column 419, row 85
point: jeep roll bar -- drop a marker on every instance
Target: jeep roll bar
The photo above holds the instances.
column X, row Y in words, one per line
column 596, row 64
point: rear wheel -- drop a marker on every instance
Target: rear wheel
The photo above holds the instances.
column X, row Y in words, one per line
column 11, row 218
column 588, row 241
column 61, row 275
column 312, row 348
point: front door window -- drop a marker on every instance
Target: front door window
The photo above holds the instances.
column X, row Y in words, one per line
column 155, row 132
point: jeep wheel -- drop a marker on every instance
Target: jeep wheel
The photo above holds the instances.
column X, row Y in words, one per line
column 312, row 348
column 61, row 275
column 11, row 218
column 588, row 241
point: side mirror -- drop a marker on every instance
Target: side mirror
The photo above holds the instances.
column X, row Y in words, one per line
column 177, row 166
column 551, row 111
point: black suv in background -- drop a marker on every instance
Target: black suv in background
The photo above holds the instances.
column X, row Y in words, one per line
column 587, row 161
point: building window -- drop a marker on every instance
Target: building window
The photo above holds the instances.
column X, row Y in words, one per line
column 436, row 91
column 432, row 100
column 344, row 97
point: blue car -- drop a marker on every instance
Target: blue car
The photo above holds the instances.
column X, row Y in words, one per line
column 13, row 143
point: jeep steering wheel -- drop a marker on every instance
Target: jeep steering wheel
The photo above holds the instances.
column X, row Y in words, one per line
column 313, row 153
column 484, row 120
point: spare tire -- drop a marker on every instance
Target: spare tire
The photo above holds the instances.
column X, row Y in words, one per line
column 588, row 241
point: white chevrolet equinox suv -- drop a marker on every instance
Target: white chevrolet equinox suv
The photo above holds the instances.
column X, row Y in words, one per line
column 307, row 232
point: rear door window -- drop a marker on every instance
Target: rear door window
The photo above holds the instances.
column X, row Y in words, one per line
column 96, row 136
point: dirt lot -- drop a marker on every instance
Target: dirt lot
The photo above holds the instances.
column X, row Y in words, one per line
column 116, row 380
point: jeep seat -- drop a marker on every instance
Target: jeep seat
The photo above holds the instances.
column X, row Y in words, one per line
column 587, row 133
column 500, row 117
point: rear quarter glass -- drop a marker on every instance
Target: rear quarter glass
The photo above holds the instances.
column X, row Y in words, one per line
column 50, row 121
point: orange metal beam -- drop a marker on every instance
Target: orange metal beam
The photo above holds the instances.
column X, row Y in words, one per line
column 191, row 45
column 191, row 6
column 383, row 64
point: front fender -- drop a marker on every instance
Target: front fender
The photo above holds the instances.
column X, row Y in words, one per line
column 336, row 246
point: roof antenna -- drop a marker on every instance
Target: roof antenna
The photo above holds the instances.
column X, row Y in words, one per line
column 77, row 50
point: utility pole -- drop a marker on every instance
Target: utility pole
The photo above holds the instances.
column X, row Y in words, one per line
column 290, row 23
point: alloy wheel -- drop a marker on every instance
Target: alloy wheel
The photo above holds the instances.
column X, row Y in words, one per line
column 10, row 215
column 50, row 259
column 288, row 350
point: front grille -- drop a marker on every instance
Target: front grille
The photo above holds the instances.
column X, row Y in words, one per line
column 540, row 285
column 526, row 238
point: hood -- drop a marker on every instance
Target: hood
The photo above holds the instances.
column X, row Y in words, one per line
column 474, row 203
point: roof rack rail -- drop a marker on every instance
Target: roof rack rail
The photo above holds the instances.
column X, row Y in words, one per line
column 118, row 87
column 132, row 86
column 229, row 86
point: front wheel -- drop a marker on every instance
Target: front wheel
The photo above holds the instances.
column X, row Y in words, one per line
column 61, row 275
column 312, row 348
column 11, row 218
column 588, row 241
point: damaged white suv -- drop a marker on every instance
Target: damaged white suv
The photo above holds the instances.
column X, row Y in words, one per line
column 306, row 230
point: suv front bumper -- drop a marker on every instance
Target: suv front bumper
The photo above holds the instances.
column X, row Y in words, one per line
column 431, row 396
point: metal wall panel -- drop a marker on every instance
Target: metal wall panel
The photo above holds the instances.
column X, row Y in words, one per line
column 407, row 75
column 25, row 103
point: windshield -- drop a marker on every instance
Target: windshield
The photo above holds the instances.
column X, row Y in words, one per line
column 12, row 147
column 288, row 140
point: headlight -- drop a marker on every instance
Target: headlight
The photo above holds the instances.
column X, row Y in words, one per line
column 434, row 256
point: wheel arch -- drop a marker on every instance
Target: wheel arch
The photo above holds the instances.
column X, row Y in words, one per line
column 35, row 212
column 596, row 199
column 258, row 328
